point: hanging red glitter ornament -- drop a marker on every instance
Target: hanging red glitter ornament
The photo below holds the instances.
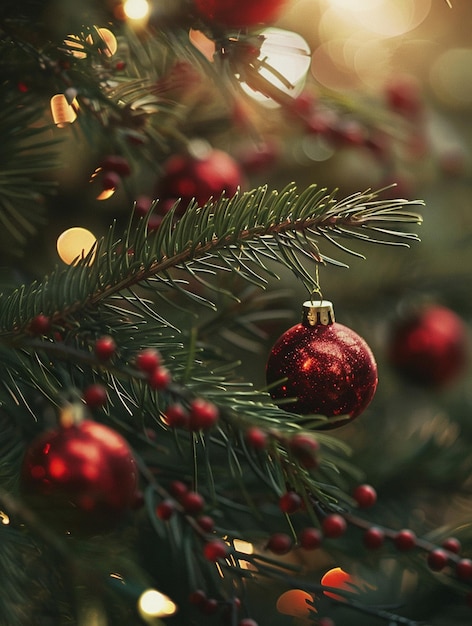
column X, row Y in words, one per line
column 80, row 476
column 202, row 173
column 429, row 347
column 240, row 13
column 325, row 367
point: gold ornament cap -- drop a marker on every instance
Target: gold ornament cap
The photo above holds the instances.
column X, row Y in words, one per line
column 318, row 312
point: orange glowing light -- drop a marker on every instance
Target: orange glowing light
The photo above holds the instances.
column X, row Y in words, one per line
column 338, row 579
column 296, row 602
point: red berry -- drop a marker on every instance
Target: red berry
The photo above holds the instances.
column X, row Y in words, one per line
column 305, row 449
column 210, row 606
column 310, row 538
column 197, row 597
column 117, row 164
column 178, row 488
column 110, row 180
column 206, row 523
column 40, row 325
column 192, row 502
column 176, row 416
column 290, row 502
column 165, row 510
column 437, row 559
column 95, row 395
column 326, row 621
column 120, row 66
column 215, row 550
column 279, row 543
column 374, row 538
column 256, row 438
column 148, row 360
column 105, row 347
column 247, row 621
column 160, row 378
column 203, row 414
column 333, row 526
column 365, row 496
column 451, row 544
column 405, row 540
column 464, row 569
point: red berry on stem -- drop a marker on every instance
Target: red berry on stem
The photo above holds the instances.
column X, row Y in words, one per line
column 165, row 509
column 305, row 448
column 215, row 550
column 40, row 325
column 210, row 606
column 452, row 545
column 290, row 502
column 365, row 495
column 203, row 414
column 333, row 526
column 148, row 360
column 405, row 540
column 110, row 180
column 192, row 502
column 464, row 569
column 310, row 538
column 159, row 379
column 178, row 488
column 197, row 597
column 247, row 621
column 374, row 538
column 326, row 621
column 176, row 416
column 95, row 395
column 206, row 523
column 279, row 543
column 437, row 559
column 105, row 347
column 117, row 164
column 256, row 438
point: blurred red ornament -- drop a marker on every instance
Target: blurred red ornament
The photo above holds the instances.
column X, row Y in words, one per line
column 81, row 477
column 429, row 347
column 236, row 13
column 199, row 176
column 322, row 367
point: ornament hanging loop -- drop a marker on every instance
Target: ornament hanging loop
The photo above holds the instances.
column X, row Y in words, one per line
column 318, row 312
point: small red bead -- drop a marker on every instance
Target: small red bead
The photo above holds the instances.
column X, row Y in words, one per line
column 365, row 496
column 110, row 180
column 464, row 569
column 120, row 66
column 165, row 510
column 256, row 438
column 192, row 502
column 333, row 526
column 176, row 416
column 148, row 360
column 290, row 502
column 203, row 414
column 247, row 621
column 305, row 448
column 437, row 559
column 95, row 395
column 374, row 538
column 178, row 488
column 105, row 347
column 197, row 597
column 405, row 540
column 117, row 164
column 210, row 606
column 451, row 544
column 279, row 543
column 310, row 538
column 326, row 621
column 40, row 325
column 215, row 550
column 159, row 379
column 206, row 523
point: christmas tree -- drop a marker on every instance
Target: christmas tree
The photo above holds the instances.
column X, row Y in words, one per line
column 191, row 431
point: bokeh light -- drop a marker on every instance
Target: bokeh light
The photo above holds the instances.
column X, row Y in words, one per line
column 136, row 9
column 296, row 602
column 75, row 243
column 451, row 77
column 153, row 603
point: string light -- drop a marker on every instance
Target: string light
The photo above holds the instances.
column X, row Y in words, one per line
column 153, row 603
column 136, row 9
column 4, row 519
column 63, row 112
column 75, row 243
column 296, row 602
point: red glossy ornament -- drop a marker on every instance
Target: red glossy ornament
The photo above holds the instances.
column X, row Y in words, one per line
column 81, row 477
column 203, row 176
column 238, row 13
column 325, row 367
column 430, row 347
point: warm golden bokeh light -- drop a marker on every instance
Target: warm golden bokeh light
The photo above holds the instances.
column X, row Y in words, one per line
column 295, row 602
column 136, row 9
column 62, row 112
column 152, row 604
column 109, row 39
column 74, row 244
